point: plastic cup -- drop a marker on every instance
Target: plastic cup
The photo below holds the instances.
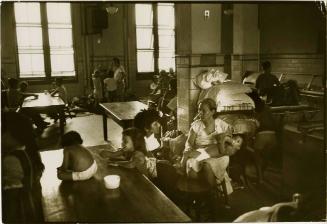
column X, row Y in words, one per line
column 112, row 181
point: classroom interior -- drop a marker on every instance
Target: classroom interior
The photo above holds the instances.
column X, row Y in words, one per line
column 172, row 56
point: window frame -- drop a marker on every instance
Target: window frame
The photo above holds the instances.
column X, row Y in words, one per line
column 46, row 50
column 155, row 32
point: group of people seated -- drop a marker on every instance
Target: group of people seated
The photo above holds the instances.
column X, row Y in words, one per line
column 210, row 142
column 15, row 93
column 206, row 154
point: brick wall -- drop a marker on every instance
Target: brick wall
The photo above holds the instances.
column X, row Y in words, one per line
column 296, row 66
column 187, row 68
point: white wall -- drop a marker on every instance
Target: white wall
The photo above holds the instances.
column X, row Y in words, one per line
column 206, row 34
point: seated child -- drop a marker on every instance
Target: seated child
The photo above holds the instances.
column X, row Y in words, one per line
column 227, row 145
column 78, row 163
column 134, row 154
column 60, row 90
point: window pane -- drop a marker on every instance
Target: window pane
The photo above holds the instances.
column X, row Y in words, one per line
column 144, row 38
column 37, row 63
column 166, row 15
column 143, row 14
column 29, row 37
column 27, row 12
column 25, row 65
column 166, row 36
column 31, row 65
column 145, row 61
column 166, row 39
column 54, row 8
column 62, row 63
column 60, row 38
column 166, row 60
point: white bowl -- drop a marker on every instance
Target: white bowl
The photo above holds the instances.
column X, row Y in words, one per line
column 112, row 181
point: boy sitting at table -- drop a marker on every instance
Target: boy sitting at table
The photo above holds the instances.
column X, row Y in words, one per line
column 60, row 90
column 15, row 98
column 78, row 163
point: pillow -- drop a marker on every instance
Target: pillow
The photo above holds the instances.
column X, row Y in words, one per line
column 234, row 102
column 231, row 87
column 205, row 79
column 231, row 118
column 215, row 75
column 224, row 90
column 200, row 80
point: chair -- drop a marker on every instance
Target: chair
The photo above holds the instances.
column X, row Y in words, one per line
column 224, row 193
column 68, row 113
column 195, row 193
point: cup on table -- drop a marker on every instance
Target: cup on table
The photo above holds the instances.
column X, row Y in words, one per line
column 112, row 181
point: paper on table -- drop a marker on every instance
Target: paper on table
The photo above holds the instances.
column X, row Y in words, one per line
column 151, row 143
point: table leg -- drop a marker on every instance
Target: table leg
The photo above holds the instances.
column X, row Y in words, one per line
column 61, row 121
column 105, row 130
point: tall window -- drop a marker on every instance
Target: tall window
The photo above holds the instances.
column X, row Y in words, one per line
column 155, row 37
column 44, row 39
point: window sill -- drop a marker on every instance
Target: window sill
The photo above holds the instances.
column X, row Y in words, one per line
column 144, row 75
column 45, row 81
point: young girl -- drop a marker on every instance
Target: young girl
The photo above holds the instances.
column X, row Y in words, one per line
column 78, row 163
column 133, row 153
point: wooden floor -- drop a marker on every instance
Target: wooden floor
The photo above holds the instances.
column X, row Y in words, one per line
column 90, row 127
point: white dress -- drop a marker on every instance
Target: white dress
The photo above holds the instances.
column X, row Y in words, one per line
column 202, row 139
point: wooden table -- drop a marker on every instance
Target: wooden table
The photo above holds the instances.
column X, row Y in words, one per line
column 46, row 103
column 121, row 112
column 136, row 200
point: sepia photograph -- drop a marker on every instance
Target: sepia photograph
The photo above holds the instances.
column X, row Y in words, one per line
column 163, row 111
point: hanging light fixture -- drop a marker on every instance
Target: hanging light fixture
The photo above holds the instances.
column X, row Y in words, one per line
column 111, row 9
